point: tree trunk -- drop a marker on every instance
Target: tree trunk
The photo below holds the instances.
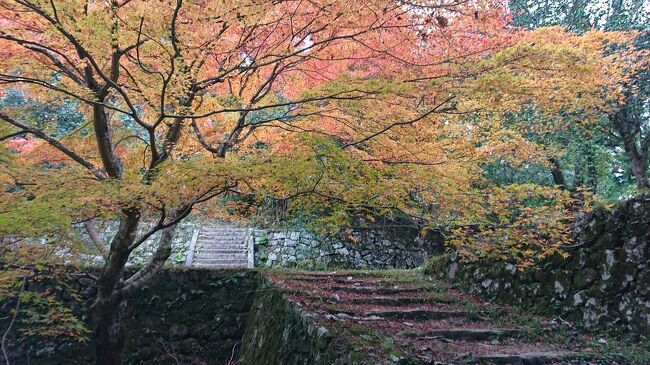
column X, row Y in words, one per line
column 105, row 311
column 109, row 334
column 638, row 162
column 114, row 289
column 629, row 130
column 639, row 169
column 102, row 129
column 556, row 171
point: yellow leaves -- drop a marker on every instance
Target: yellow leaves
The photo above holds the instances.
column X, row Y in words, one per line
column 521, row 222
column 554, row 70
column 510, row 146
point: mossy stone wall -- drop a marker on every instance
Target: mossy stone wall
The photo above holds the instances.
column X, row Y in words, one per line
column 198, row 317
column 278, row 332
column 181, row 316
column 603, row 284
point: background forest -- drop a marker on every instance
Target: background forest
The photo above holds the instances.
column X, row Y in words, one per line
column 597, row 157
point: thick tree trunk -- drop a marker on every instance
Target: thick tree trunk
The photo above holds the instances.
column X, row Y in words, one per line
column 113, row 289
column 639, row 169
column 109, row 334
column 105, row 311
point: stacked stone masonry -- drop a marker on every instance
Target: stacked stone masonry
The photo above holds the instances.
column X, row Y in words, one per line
column 603, row 284
column 364, row 250
column 194, row 317
column 221, row 245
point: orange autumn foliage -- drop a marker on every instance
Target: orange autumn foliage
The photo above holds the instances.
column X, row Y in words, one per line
column 350, row 105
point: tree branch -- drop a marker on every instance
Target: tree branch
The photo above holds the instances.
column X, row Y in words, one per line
column 94, row 236
column 395, row 124
column 154, row 264
column 56, row 144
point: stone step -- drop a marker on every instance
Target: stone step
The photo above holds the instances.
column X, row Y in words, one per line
column 325, row 296
column 533, row 358
column 390, row 301
column 208, row 249
column 226, row 229
column 220, row 256
column 220, row 241
column 218, row 266
column 362, row 286
column 467, row 334
column 417, row 314
column 380, row 290
column 321, row 279
column 411, row 314
column 321, row 274
column 216, row 246
column 343, row 278
column 220, row 246
column 223, row 234
column 219, row 262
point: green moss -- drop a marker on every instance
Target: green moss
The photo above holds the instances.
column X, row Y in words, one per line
column 387, row 344
column 583, row 278
column 436, row 265
column 619, row 350
column 358, row 357
column 358, row 329
column 278, row 333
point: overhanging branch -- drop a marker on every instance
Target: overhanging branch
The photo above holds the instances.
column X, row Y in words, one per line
column 56, row 144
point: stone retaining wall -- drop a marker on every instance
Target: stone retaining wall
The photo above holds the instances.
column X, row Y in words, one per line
column 604, row 284
column 181, row 316
column 278, row 332
column 180, row 242
column 380, row 248
column 365, row 249
column 194, row 317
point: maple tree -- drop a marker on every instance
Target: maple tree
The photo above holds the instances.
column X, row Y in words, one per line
column 619, row 140
column 338, row 108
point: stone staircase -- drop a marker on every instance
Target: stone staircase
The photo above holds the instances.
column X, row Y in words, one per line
column 221, row 247
column 406, row 318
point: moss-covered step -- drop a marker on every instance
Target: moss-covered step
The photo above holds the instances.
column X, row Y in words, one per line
column 380, row 290
column 534, row 358
column 466, row 334
column 391, row 301
column 419, row 314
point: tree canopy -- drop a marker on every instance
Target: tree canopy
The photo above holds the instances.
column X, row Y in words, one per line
column 335, row 108
column 378, row 102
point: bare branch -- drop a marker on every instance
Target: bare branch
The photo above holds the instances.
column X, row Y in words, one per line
column 155, row 263
column 400, row 123
column 94, row 237
column 56, row 144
